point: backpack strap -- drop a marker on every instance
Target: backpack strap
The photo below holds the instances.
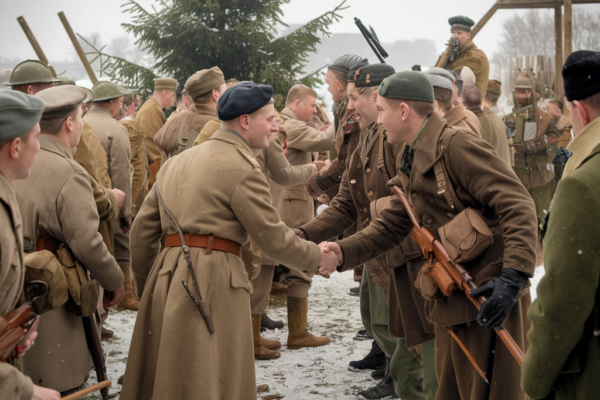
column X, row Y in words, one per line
column 442, row 177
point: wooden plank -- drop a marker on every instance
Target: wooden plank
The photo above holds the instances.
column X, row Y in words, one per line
column 34, row 43
column 481, row 23
column 558, row 53
column 568, row 29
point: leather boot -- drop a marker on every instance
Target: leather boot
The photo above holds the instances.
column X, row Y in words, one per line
column 260, row 351
column 298, row 335
column 128, row 300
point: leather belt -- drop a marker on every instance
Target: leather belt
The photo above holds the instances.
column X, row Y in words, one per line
column 208, row 242
column 44, row 241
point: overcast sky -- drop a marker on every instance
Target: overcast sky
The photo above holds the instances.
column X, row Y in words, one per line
column 392, row 20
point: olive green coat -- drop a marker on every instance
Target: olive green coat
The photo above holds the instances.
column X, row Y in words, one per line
column 57, row 197
column 139, row 163
column 13, row 384
column 493, row 131
column 564, row 350
column 584, row 142
column 474, row 58
column 151, row 117
column 172, row 354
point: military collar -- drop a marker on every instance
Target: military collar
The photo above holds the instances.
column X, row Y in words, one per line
column 229, row 136
column 371, row 136
column 426, row 153
column 415, row 142
column 99, row 109
column 591, row 155
column 469, row 45
column 455, row 115
column 287, row 113
column 582, row 137
column 5, row 195
column 52, row 145
column 342, row 110
column 202, row 109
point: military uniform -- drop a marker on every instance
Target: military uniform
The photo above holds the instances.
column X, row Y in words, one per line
column 461, row 118
column 237, row 206
column 139, row 163
column 493, row 131
column 151, row 118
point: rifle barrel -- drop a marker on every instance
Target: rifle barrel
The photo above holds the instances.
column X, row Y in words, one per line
column 88, row 390
column 370, row 40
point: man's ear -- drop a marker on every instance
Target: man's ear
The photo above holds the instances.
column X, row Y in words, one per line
column 245, row 121
column 15, row 147
column 583, row 112
column 339, row 86
column 69, row 124
column 374, row 95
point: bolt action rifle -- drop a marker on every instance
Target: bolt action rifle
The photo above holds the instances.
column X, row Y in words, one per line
column 371, row 38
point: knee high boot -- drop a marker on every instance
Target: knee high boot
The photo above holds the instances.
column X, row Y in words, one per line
column 128, row 300
column 261, row 351
column 298, row 335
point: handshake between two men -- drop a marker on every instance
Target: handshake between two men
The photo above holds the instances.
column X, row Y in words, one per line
column 331, row 255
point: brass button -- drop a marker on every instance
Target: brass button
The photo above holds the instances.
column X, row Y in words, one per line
column 414, row 195
column 370, row 193
column 365, row 209
column 368, row 170
column 359, row 166
column 366, row 159
column 353, row 181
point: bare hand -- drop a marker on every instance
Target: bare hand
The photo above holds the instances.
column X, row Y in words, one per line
column 327, row 164
column 27, row 345
column 331, row 257
column 120, row 196
column 320, row 164
column 40, row 393
column 125, row 224
column 324, row 198
column 300, row 234
column 118, row 296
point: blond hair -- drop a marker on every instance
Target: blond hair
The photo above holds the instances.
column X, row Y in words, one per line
column 299, row 92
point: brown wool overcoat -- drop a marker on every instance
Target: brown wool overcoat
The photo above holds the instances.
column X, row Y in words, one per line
column 151, row 117
column 139, row 164
column 474, row 58
column 461, row 118
column 57, row 197
column 172, row 354
column 13, row 384
column 493, row 131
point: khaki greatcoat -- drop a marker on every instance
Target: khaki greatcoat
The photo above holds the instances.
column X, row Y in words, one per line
column 139, row 164
column 13, row 384
column 151, row 117
column 172, row 354
column 474, row 58
column 493, row 131
column 461, row 118
column 57, row 197
column 484, row 182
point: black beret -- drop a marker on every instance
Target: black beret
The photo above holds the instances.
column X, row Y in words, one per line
column 581, row 74
column 243, row 98
column 353, row 69
column 373, row 75
column 343, row 63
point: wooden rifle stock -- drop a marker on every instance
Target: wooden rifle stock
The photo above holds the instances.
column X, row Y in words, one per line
column 433, row 249
column 88, row 390
column 15, row 329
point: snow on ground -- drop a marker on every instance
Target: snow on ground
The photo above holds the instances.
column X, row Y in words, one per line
column 318, row 373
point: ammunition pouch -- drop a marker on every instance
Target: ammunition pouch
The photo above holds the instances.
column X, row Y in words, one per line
column 466, row 236
column 83, row 291
column 44, row 266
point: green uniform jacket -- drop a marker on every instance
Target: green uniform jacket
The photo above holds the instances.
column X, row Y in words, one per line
column 564, row 352
column 474, row 58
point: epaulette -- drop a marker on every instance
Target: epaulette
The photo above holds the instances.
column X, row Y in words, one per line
column 251, row 159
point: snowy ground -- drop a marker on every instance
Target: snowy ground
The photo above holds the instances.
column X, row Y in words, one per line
column 319, row 373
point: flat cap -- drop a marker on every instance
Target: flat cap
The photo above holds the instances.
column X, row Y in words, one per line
column 343, row 63
column 19, row 113
column 165, row 84
column 373, row 75
column 353, row 71
column 581, row 75
column 243, row 98
column 407, row 85
column 105, row 90
column 461, row 22
column 438, row 81
column 204, row 81
column 441, row 72
column 61, row 98
column 494, row 88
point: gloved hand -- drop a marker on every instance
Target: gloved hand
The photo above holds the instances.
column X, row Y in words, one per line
column 501, row 294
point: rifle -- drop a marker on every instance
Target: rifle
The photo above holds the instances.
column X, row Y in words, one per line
column 371, row 38
column 18, row 325
column 88, row 390
column 433, row 250
column 450, row 54
column 92, row 338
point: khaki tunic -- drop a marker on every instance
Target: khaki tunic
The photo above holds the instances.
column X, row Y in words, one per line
column 179, row 133
column 139, row 164
column 460, row 118
column 13, row 384
column 57, row 197
column 172, row 354
column 151, row 118
column 493, row 131
column 474, row 58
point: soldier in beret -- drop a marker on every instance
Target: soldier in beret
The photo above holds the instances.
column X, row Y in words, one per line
column 563, row 360
column 19, row 129
column 31, row 76
column 58, row 208
column 468, row 54
column 178, row 134
column 179, row 357
column 433, row 153
column 114, row 139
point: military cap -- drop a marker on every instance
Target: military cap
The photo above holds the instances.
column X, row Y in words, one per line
column 441, row 72
column 460, row 22
column 494, row 88
column 355, row 68
column 407, row 85
column 19, row 113
column 64, row 81
column 523, row 82
column 438, row 81
column 165, row 84
column 373, row 75
column 343, row 63
column 243, row 98
column 581, row 75
column 204, row 81
column 105, row 90
column 31, row 71
column 61, row 98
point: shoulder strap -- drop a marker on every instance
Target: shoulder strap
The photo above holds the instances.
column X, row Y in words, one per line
column 186, row 249
column 442, row 176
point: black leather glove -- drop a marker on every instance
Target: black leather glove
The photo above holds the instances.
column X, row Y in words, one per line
column 501, row 294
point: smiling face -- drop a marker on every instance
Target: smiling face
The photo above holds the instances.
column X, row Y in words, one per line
column 261, row 126
column 363, row 101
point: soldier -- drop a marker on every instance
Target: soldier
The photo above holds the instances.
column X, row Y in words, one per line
column 405, row 102
column 563, row 360
column 31, row 76
column 182, row 102
column 492, row 94
column 179, row 357
column 114, row 139
column 455, row 115
column 493, row 129
column 468, row 54
column 57, row 201
column 19, row 129
column 178, row 134
column 364, row 191
column 534, row 146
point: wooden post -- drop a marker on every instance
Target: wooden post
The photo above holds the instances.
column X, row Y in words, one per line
column 78, row 48
column 568, row 27
column 558, row 53
column 480, row 24
column 32, row 40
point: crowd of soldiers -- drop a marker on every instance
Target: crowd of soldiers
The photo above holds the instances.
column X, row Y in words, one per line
column 187, row 218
